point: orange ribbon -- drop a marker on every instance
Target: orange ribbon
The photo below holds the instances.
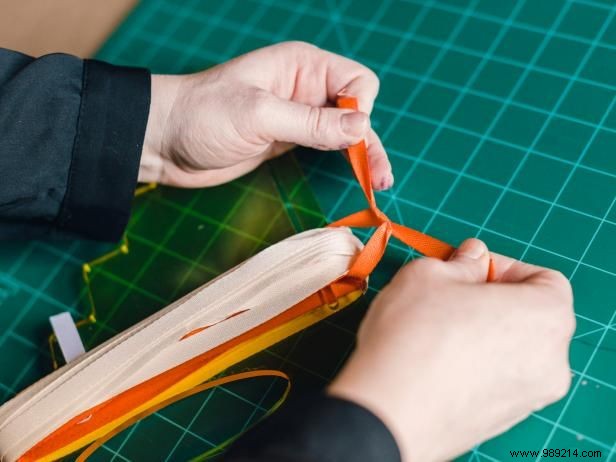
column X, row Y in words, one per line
column 85, row 455
column 372, row 253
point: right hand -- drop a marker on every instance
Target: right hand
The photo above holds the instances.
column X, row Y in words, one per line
column 448, row 361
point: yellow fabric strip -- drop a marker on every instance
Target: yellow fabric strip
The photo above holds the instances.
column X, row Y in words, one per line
column 83, row 457
column 213, row 368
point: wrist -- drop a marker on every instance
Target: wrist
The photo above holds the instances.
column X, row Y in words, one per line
column 362, row 389
column 164, row 90
column 364, row 385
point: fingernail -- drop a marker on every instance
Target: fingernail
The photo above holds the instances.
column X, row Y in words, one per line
column 389, row 180
column 386, row 182
column 471, row 248
column 354, row 124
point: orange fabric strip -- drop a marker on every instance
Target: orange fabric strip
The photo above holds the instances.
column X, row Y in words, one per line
column 83, row 457
column 198, row 330
column 114, row 408
column 372, row 253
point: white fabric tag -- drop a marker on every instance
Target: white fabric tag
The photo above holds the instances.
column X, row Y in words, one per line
column 67, row 335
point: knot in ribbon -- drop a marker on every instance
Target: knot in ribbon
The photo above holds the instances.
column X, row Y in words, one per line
column 372, row 217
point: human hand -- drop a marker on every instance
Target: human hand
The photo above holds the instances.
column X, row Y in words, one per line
column 211, row 127
column 448, row 361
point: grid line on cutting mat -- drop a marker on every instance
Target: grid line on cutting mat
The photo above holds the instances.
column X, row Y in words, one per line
column 442, row 158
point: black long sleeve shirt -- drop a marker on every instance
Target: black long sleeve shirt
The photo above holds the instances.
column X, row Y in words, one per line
column 71, row 135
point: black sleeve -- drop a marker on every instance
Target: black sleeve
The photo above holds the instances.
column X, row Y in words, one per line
column 317, row 429
column 71, row 134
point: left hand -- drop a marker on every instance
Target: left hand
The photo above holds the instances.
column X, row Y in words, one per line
column 208, row 128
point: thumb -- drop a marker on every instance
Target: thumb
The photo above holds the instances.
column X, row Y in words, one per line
column 470, row 262
column 316, row 127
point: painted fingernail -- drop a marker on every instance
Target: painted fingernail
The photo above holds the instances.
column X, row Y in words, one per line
column 354, row 124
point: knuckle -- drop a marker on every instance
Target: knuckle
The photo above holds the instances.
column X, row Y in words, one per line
column 560, row 284
column 407, row 272
column 297, row 45
column 316, row 122
column 561, row 299
column 470, row 272
column 375, row 79
column 562, row 383
column 429, row 265
column 255, row 113
column 421, row 266
column 258, row 104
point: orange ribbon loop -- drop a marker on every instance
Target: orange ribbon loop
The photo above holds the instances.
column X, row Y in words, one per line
column 371, row 217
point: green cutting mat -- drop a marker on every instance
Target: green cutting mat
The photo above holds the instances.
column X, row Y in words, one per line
column 500, row 120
